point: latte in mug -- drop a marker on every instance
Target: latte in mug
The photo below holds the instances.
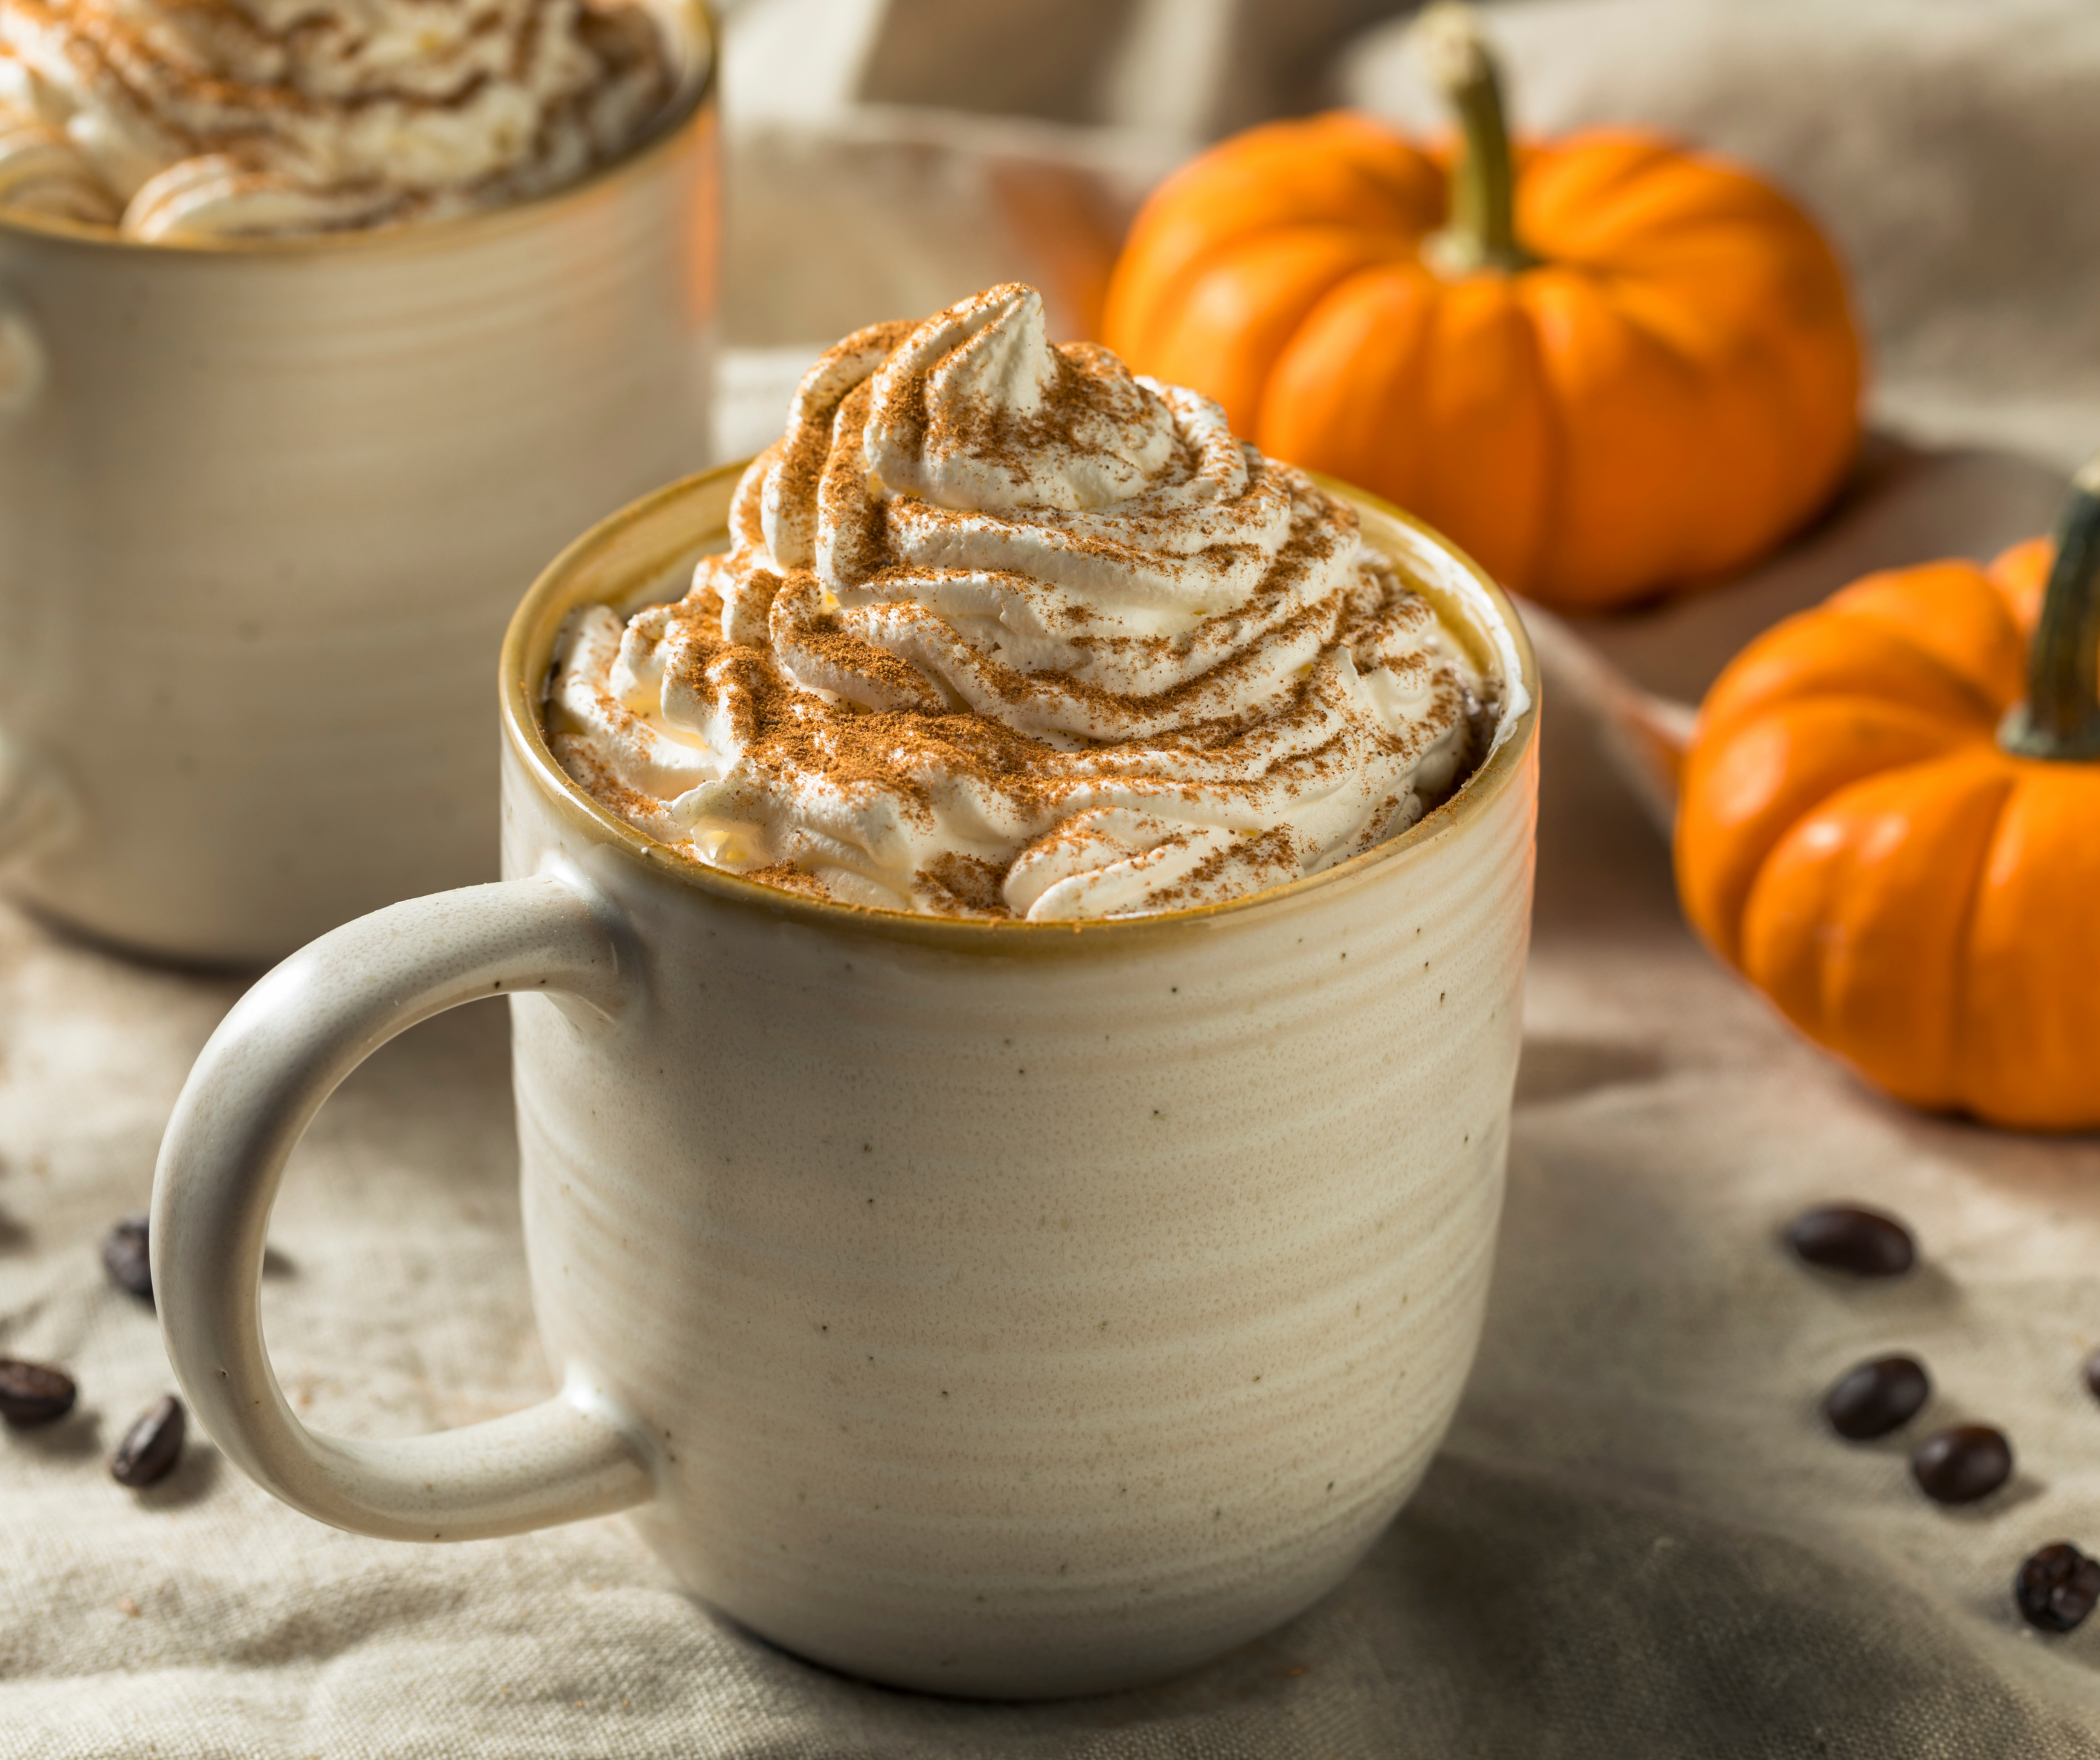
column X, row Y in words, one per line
column 322, row 323
column 970, row 1284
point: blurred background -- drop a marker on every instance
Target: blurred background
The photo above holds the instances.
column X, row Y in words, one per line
column 889, row 156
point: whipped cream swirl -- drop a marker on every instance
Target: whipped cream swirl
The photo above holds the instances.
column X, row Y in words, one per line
column 174, row 119
column 1006, row 631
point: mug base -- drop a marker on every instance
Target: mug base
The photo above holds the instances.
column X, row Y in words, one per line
column 1115, row 1646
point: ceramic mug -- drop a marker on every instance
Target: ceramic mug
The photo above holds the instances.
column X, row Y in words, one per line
column 265, row 506
column 1001, row 1309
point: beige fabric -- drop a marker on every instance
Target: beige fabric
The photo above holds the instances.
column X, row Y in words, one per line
column 1640, row 1542
column 1193, row 67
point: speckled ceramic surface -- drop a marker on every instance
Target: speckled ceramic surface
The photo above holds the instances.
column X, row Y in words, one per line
column 1009, row 1310
column 264, row 508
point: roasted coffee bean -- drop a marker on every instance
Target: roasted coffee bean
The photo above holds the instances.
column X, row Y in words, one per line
column 2057, row 1588
column 151, row 1446
column 2092, row 1374
column 30, row 1393
column 1876, row 1398
column 125, row 1258
column 1961, row 1465
column 1849, row 1238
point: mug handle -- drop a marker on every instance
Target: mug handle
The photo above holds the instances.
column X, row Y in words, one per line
column 22, row 367
column 38, row 811
column 256, row 1087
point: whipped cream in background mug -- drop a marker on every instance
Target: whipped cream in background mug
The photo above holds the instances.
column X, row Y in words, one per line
column 1006, row 630
column 267, row 493
column 258, row 117
column 999, row 1307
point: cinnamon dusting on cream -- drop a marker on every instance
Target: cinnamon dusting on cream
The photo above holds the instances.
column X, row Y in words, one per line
column 1004, row 630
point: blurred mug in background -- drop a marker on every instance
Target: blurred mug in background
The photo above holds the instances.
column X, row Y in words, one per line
column 266, row 503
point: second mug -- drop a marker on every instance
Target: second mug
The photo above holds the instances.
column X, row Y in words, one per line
column 265, row 505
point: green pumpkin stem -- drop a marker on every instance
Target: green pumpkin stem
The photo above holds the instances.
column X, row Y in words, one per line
column 2060, row 720
column 1480, row 234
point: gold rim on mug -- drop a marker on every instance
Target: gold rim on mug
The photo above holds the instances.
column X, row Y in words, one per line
column 642, row 553
column 704, row 64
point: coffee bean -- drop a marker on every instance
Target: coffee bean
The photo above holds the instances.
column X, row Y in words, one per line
column 2092, row 1374
column 1962, row 1464
column 2057, row 1588
column 151, row 1446
column 1876, row 1398
column 30, row 1393
column 125, row 1257
column 1850, row 1238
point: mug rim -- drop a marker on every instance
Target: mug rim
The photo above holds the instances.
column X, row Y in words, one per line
column 687, row 106
column 565, row 583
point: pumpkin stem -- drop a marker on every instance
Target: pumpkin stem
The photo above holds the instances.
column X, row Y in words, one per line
column 1481, row 232
column 2061, row 718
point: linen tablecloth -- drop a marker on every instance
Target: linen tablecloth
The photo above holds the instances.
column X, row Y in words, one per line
column 1639, row 1541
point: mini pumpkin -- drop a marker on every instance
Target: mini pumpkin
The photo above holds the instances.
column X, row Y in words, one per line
column 1603, row 365
column 1890, row 823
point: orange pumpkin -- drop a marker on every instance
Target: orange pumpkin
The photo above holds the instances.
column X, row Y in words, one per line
column 1902, row 853
column 1611, row 368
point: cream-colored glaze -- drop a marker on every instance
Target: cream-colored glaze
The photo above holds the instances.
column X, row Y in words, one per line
column 264, row 508
column 997, row 1309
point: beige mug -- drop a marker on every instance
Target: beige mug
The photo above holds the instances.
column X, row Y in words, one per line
column 265, row 505
column 1004, row 1310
